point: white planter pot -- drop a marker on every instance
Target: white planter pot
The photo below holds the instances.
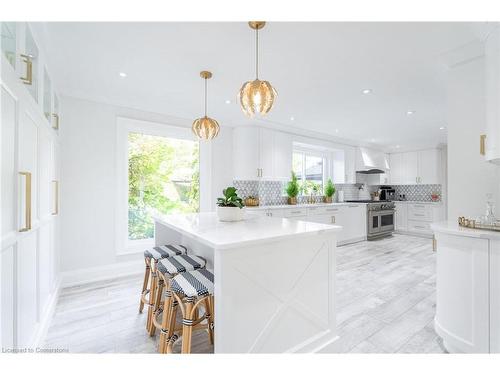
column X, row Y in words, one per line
column 231, row 213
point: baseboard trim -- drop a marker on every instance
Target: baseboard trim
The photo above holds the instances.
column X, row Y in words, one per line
column 46, row 318
column 94, row 274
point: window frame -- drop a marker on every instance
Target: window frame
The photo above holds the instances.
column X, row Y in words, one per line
column 125, row 246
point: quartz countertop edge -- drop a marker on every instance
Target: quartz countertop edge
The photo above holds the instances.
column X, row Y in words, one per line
column 311, row 205
column 452, row 227
column 254, row 230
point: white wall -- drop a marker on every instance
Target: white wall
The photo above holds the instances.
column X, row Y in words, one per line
column 88, row 187
column 470, row 177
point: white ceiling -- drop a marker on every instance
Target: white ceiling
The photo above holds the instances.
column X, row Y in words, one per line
column 318, row 69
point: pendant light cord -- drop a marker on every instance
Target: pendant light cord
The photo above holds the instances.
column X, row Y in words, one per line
column 205, row 97
column 257, row 53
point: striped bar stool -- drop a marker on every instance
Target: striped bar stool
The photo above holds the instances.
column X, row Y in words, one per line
column 191, row 290
column 151, row 258
column 167, row 268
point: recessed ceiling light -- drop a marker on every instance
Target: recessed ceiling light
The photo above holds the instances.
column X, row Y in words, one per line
column 123, row 74
column 442, row 128
column 228, row 101
column 336, row 130
column 372, row 140
column 410, row 112
column 366, row 91
column 292, row 118
column 397, row 146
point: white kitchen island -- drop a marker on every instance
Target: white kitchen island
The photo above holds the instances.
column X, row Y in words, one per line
column 274, row 279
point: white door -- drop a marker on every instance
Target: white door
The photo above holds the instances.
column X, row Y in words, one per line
column 428, row 166
column 410, row 167
column 266, row 156
column 246, row 153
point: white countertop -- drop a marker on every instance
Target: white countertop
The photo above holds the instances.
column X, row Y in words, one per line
column 302, row 205
column 452, row 227
column 206, row 228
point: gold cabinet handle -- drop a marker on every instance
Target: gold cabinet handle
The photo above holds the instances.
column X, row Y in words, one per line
column 482, row 144
column 28, row 80
column 27, row 194
column 333, row 219
column 434, row 243
column 56, row 121
column 56, row 197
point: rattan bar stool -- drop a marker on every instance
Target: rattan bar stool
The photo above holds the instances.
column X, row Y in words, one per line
column 190, row 291
column 166, row 269
column 151, row 258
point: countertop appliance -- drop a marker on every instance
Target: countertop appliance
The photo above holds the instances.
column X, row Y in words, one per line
column 387, row 193
column 380, row 217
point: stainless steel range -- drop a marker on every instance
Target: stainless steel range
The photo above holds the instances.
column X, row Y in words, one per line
column 380, row 216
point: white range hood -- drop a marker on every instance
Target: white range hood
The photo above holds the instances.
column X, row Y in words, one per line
column 371, row 161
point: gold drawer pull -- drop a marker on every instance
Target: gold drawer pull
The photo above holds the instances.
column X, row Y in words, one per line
column 28, row 80
column 27, row 195
column 482, row 144
column 333, row 219
column 56, row 197
column 56, row 121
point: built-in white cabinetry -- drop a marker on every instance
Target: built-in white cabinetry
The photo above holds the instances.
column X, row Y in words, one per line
column 261, row 154
column 350, row 165
column 467, row 289
column 29, row 162
column 417, row 217
column 416, row 167
column 490, row 141
column 352, row 218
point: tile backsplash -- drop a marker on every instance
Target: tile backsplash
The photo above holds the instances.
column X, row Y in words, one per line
column 273, row 192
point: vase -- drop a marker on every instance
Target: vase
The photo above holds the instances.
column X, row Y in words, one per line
column 231, row 213
column 328, row 199
column 292, row 200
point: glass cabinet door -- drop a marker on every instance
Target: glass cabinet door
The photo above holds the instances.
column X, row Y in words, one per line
column 55, row 115
column 30, row 60
column 8, row 42
column 47, row 96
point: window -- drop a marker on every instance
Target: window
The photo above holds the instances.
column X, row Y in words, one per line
column 163, row 175
column 310, row 169
column 158, row 171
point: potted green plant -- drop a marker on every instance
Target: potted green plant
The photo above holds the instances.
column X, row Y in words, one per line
column 230, row 207
column 329, row 191
column 292, row 189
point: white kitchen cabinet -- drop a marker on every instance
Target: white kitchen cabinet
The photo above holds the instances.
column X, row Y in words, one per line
column 495, row 296
column 417, row 167
column 491, row 139
column 29, row 147
column 463, row 293
column 401, row 223
column 261, row 154
column 350, row 165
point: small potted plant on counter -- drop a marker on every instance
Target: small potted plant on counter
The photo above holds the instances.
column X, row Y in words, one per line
column 230, row 207
column 292, row 189
column 329, row 191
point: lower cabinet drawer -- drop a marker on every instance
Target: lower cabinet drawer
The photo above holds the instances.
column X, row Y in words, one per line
column 295, row 212
column 419, row 226
column 420, row 212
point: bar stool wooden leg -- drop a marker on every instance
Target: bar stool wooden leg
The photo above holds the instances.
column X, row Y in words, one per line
column 156, row 307
column 152, row 299
column 164, row 323
column 210, row 318
column 144, row 285
column 172, row 317
column 187, row 326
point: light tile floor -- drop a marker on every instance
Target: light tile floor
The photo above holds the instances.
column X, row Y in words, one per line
column 385, row 294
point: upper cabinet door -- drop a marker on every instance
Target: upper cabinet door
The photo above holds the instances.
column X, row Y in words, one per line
column 396, row 164
column 246, row 153
column 30, row 62
column 350, row 165
column 47, row 96
column 410, row 165
column 428, row 166
column 266, row 156
column 55, row 114
column 9, row 42
column 282, row 164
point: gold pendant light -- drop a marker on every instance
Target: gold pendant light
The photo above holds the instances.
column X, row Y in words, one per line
column 257, row 96
column 205, row 127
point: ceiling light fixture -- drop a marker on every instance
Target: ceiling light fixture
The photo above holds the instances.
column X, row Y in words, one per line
column 397, row 146
column 336, row 130
column 123, row 75
column 367, row 91
column 205, row 127
column 409, row 113
column 442, row 128
column 292, row 118
column 228, row 101
column 256, row 96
